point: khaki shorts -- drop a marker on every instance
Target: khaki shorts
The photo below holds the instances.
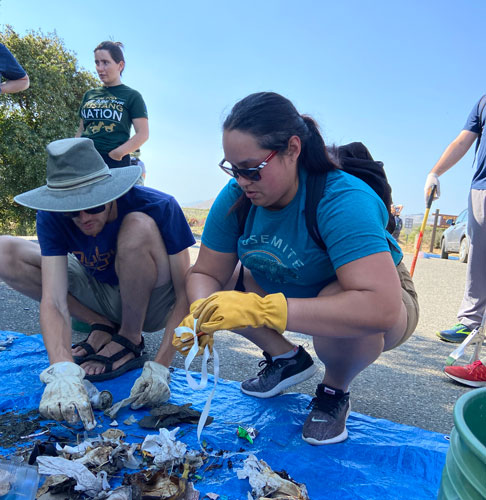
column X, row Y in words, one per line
column 409, row 298
column 105, row 299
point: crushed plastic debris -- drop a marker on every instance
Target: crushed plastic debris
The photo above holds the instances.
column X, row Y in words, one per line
column 113, row 411
column 121, row 493
column 160, row 484
column 246, row 432
column 130, row 420
column 86, row 481
column 113, row 434
column 57, row 483
column 267, row 483
column 164, row 447
column 6, row 343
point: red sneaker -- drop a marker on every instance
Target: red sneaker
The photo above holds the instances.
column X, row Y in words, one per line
column 473, row 375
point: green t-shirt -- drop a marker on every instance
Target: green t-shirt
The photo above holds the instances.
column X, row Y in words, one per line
column 107, row 114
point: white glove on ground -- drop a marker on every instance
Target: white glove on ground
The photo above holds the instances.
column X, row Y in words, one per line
column 65, row 393
column 152, row 387
column 432, row 180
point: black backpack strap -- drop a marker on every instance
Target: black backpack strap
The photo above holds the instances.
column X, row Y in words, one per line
column 481, row 105
column 356, row 160
column 314, row 189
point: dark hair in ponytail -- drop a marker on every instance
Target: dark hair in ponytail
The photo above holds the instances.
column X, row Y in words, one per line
column 273, row 120
column 115, row 50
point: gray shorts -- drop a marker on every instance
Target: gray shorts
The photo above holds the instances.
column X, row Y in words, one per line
column 410, row 300
column 105, row 299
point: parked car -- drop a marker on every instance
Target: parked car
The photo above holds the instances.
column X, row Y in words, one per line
column 455, row 239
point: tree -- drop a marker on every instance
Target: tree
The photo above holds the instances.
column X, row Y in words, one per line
column 29, row 120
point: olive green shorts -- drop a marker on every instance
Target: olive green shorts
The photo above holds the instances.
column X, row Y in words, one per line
column 409, row 298
column 105, row 299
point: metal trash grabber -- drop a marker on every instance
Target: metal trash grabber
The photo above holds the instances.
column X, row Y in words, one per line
column 475, row 337
column 422, row 228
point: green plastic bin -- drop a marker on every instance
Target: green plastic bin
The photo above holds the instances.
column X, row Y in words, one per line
column 464, row 474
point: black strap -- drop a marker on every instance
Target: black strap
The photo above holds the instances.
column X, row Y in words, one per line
column 314, row 189
column 481, row 105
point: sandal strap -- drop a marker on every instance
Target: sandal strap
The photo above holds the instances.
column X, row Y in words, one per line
column 136, row 349
column 112, row 330
column 87, row 347
column 128, row 347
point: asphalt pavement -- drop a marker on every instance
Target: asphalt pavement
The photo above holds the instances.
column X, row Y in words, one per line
column 405, row 385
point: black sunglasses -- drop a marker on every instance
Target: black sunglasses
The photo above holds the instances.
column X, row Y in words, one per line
column 90, row 211
column 253, row 174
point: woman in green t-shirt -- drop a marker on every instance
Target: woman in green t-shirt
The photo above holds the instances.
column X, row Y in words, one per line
column 108, row 112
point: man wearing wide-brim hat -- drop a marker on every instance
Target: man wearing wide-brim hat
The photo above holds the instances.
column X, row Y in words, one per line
column 111, row 254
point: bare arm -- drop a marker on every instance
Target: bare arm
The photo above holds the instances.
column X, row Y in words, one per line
column 141, row 135
column 454, row 152
column 80, row 129
column 367, row 299
column 210, row 273
column 13, row 86
column 55, row 319
column 179, row 264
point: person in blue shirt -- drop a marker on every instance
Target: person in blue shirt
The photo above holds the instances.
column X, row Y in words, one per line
column 111, row 254
column 16, row 79
column 473, row 305
column 355, row 300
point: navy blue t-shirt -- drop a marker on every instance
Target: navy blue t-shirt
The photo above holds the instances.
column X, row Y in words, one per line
column 58, row 235
column 9, row 67
column 473, row 125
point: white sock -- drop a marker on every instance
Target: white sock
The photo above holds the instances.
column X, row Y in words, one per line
column 286, row 355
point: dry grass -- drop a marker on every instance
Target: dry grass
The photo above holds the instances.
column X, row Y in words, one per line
column 196, row 218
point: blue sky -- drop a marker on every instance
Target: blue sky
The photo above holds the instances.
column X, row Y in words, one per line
column 399, row 76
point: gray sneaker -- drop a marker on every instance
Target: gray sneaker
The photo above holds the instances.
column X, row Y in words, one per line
column 326, row 423
column 278, row 375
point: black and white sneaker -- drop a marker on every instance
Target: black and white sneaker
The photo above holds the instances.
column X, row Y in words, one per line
column 326, row 423
column 278, row 375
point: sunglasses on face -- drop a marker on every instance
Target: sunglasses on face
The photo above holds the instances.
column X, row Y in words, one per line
column 252, row 174
column 90, row 211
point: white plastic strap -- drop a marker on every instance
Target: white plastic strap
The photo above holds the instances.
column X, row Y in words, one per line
column 204, row 372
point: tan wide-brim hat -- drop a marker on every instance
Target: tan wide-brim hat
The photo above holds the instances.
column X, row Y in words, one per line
column 78, row 179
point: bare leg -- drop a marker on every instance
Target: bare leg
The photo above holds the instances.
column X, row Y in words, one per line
column 20, row 268
column 346, row 358
column 142, row 264
column 343, row 358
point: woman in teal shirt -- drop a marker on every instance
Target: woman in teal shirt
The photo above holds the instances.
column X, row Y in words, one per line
column 355, row 299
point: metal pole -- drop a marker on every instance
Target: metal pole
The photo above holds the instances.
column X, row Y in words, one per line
column 432, row 241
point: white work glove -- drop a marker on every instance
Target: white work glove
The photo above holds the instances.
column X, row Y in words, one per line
column 432, row 180
column 65, row 393
column 152, row 387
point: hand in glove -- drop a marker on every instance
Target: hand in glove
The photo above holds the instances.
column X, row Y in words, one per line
column 65, row 394
column 233, row 310
column 431, row 181
column 185, row 341
column 152, row 387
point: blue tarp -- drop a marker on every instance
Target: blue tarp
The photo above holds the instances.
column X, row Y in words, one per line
column 380, row 459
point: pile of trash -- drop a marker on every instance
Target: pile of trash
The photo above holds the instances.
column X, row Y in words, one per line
column 159, row 466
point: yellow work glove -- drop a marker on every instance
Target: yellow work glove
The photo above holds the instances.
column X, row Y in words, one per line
column 234, row 310
column 185, row 341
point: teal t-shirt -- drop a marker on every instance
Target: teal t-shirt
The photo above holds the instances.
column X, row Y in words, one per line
column 277, row 248
column 107, row 114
